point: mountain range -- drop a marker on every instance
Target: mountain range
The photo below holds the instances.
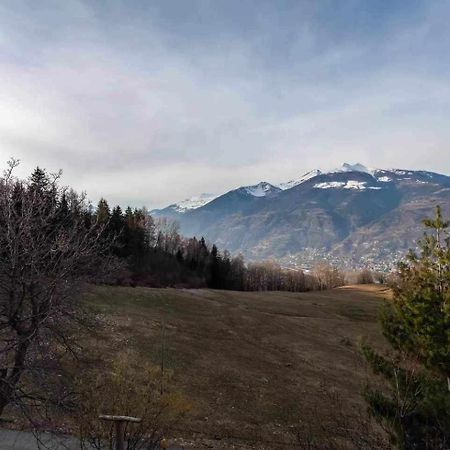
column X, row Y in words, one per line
column 352, row 216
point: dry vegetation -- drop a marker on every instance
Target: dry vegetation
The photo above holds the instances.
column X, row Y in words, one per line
column 258, row 368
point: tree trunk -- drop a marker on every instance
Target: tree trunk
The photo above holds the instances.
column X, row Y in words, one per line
column 5, row 395
column 9, row 381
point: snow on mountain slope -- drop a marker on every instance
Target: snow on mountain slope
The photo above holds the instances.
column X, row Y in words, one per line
column 193, row 202
column 340, row 178
column 305, row 177
column 414, row 176
column 350, row 184
column 346, row 167
column 261, row 189
column 264, row 188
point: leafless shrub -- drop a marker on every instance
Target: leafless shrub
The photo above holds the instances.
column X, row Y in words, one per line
column 365, row 277
column 328, row 276
column 133, row 389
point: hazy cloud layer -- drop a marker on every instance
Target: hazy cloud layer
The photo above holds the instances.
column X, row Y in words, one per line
column 151, row 102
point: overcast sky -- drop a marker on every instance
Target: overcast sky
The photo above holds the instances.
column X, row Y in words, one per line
column 149, row 102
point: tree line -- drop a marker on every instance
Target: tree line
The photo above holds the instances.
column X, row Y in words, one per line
column 156, row 254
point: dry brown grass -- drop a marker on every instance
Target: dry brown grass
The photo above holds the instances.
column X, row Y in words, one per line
column 253, row 364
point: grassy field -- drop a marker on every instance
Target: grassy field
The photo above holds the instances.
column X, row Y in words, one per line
column 252, row 364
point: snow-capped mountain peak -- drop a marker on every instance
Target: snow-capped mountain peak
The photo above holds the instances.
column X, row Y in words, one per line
column 261, row 189
column 193, row 202
column 346, row 167
column 352, row 177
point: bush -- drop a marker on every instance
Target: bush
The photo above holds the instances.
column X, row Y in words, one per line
column 365, row 277
column 130, row 388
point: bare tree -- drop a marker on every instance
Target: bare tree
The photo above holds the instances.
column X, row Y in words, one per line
column 168, row 234
column 365, row 277
column 49, row 248
column 328, row 276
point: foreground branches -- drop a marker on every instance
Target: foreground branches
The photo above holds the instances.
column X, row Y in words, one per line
column 48, row 250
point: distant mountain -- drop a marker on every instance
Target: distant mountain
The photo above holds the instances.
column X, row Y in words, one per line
column 262, row 189
column 185, row 205
column 352, row 215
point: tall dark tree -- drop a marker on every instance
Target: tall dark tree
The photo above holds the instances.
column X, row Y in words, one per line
column 215, row 276
column 103, row 212
column 39, row 180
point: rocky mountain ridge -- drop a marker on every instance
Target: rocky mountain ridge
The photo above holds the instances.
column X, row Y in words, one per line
column 353, row 216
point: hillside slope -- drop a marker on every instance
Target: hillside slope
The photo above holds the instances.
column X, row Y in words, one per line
column 251, row 363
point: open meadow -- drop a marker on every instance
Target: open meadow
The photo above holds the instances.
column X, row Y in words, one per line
column 257, row 367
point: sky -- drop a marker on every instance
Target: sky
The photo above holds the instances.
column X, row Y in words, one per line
column 150, row 102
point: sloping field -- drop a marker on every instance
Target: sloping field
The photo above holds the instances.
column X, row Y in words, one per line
column 252, row 364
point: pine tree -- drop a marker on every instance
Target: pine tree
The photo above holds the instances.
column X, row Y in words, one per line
column 416, row 408
column 116, row 231
column 64, row 215
column 418, row 321
column 117, row 222
column 39, row 179
column 215, row 281
column 103, row 212
column 44, row 188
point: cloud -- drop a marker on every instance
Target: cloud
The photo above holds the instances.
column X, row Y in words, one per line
column 147, row 105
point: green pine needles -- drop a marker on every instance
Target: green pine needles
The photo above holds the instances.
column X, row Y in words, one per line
column 413, row 400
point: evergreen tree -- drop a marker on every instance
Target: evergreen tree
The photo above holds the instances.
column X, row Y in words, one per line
column 44, row 188
column 215, row 281
column 39, row 179
column 103, row 212
column 117, row 222
column 116, row 231
column 416, row 408
column 63, row 206
column 64, row 215
column 418, row 321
